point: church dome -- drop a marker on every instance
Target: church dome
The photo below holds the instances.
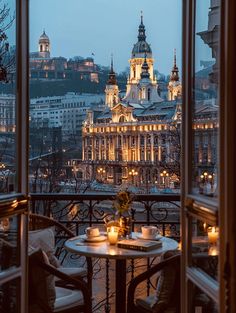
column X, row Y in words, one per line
column 44, row 37
column 141, row 46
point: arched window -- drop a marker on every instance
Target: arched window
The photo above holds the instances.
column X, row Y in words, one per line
column 41, row 48
column 122, row 119
column 149, row 94
column 140, row 94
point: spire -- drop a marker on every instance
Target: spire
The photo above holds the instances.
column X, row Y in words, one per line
column 145, row 68
column 174, row 57
column 175, row 70
column 141, row 30
column 112, row 75
column 112, row 63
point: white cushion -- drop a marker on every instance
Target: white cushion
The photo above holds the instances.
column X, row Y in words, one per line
column 73, row 271
column 67, row 298
column 147, row 303
column 44, row 239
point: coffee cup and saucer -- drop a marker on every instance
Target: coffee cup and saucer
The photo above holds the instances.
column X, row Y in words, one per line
column 149, row 233
column 92, row 234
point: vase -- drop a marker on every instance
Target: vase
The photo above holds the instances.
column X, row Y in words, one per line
column 125, row 226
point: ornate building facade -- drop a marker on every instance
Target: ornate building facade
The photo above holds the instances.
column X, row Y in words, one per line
column 131, row 140
column 136, row 140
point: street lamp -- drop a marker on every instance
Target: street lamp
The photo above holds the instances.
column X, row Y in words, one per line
column 75, row 171
column 206, row 179
column 133, row 173
column 101, row 171
column 2, row 166
column 164, row 174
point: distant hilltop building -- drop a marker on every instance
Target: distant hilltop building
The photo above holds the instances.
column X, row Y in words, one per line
column 43, row 66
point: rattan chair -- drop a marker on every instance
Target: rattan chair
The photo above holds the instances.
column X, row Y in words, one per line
column 40, row 222
column 149, row 304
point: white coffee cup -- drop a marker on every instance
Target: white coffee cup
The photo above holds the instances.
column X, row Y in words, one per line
column 92, row 231
column 149, row 232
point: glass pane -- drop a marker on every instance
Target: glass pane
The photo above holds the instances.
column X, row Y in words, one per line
column 100, row 123
column 206, row 101
column 7, row 96
column 205, row 248
column 10, row 297
column 200, row 302
column 9, row 242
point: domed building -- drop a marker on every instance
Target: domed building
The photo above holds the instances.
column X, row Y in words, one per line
column 43, row 66
column 44, row 46
column 136, row 90
column 129, row 141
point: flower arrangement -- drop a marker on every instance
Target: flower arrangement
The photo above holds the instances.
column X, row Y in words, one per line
column 122, row 202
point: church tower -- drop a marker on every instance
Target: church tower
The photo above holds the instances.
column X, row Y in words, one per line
column 44, row 46
column 141, row 64
column 174, row 86
column 112, row 90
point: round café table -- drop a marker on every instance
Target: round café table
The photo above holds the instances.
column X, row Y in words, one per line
column 105, row 250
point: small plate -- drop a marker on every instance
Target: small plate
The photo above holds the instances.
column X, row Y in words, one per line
column 94, row 239
column 140, row 236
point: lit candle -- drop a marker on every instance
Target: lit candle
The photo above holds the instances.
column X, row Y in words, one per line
column 213, row 251
column 112, row 235
column 213, row 235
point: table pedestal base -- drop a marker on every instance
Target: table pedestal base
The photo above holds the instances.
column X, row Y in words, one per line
column 121, row 286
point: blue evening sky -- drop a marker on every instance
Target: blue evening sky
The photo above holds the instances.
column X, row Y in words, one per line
column 102, row 27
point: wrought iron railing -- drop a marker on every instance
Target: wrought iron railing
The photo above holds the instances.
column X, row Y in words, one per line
column 78, row 211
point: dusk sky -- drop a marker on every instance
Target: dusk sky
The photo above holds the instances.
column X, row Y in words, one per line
column 102, row 27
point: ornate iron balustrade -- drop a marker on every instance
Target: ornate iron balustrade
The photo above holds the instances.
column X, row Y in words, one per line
column 79, row 211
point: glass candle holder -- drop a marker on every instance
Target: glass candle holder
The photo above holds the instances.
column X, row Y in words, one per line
column 213, row 235
column 112, row 234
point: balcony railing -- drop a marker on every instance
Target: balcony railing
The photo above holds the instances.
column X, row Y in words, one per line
column 78, row 211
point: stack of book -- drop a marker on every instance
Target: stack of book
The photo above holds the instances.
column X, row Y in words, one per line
column 141, row 245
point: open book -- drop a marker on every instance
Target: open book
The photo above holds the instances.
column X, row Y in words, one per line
column 141, row 245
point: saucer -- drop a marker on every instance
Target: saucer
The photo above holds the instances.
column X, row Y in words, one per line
column 156, row 237
column 94, row 239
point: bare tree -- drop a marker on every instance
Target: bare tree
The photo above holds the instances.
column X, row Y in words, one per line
column 172, row 150
column 7, row 61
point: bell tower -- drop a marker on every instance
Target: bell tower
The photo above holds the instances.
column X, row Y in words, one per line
column 174, row 86
column 44, row 46
column 141, row 71
column 112, row 90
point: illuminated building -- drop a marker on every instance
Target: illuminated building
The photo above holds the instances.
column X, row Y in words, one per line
column 43, row 66
column 136, row 139
column 130, row 140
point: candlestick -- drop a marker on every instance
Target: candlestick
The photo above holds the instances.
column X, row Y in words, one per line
column 213, row 235
column 112, row 234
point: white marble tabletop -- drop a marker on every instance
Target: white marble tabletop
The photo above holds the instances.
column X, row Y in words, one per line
column 105, row 250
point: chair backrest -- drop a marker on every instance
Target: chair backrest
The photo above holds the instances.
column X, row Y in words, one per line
column 61, row 233
column 168, row 285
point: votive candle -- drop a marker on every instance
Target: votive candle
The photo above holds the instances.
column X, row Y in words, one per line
column 213, row 235
column 112, row 235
